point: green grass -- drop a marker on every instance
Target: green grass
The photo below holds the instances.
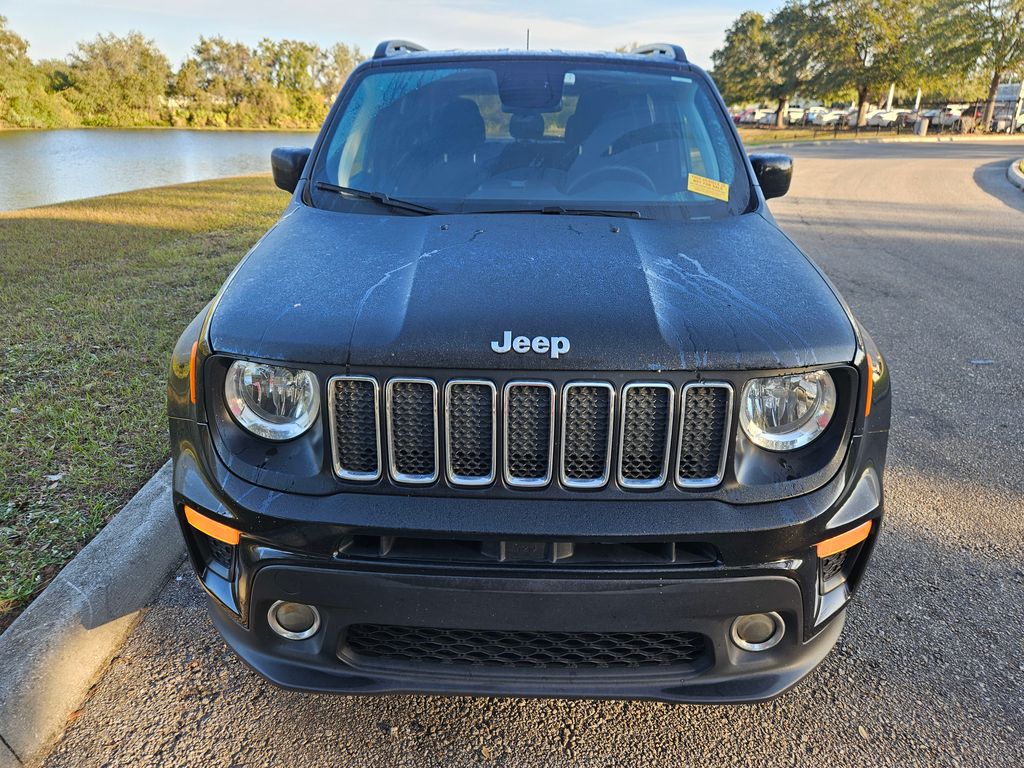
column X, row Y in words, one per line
column 755, row 136
column 93, row 295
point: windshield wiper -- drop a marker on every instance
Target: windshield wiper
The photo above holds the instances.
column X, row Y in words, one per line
column 377, row 197
column 557, row 210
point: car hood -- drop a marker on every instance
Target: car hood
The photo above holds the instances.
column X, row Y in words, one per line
column 436, row 291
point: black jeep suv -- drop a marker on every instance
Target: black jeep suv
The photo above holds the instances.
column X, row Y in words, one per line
column 526, row 393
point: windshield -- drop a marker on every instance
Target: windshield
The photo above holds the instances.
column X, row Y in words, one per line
column 533, row 134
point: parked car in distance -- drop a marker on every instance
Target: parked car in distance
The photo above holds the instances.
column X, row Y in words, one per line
column 885, row 118
column 908, row 118
column 853, row 113
column 753, row 115
column 813, row 113
column 831, row 117
column 1003, row 117
column 950, row 114
column 542, row 403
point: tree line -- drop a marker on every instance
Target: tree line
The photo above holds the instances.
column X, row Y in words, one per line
column 127, row 81
column 855, row 50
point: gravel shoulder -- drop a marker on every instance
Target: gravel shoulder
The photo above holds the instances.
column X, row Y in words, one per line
column 925, row 242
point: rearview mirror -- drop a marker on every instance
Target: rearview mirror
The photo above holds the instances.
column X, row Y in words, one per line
column 287, row 164
column 774, row 174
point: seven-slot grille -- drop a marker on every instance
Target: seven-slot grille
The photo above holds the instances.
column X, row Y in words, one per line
column 597, row 426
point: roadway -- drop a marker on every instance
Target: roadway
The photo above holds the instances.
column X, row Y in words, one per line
column 926, row 242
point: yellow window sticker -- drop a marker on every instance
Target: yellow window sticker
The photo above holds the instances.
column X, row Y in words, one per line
column 707, row 187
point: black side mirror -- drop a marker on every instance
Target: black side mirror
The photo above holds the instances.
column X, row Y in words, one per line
column 774, row 174
column 287, row 164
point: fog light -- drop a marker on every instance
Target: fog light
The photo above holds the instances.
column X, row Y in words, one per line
column 293, row 621
column 758, row 631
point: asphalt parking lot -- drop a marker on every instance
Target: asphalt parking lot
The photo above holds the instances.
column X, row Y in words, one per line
column 926, row 242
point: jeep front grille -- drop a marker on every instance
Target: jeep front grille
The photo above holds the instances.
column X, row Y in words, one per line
column 529, row 432
column 581, row 430
column 354, row 427
column 412, row 430
column 645, row 434
column 470, row 431
column 587, row 413
column 707, row 410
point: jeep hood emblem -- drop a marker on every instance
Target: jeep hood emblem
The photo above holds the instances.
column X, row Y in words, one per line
column 553, row 345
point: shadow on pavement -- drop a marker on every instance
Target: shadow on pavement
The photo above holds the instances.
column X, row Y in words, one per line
column 991, row 177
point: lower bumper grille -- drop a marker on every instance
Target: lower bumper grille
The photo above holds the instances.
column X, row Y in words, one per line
column 541, row 650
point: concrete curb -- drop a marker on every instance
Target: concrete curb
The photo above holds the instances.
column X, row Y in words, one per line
column 969, row 137
column 1014, row 173
column 54, row 651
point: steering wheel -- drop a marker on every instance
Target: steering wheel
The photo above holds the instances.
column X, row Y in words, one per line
column 634, row 174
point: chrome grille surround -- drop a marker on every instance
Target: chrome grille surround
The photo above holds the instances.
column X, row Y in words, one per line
column 336, row 452
column 723, row 435
column 625, row 423
column 412, row 478
column 641, row 434
column 454, row 477
column 513, row 477
column 588, row 422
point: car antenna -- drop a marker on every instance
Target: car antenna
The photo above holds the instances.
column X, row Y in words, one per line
column 527, row 38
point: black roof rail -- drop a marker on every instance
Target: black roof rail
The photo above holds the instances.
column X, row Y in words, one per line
column 662, row 49
column 395, row 47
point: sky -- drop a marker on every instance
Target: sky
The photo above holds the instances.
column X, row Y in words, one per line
column 54, row 27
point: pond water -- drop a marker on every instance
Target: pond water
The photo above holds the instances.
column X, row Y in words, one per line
column 42, row 167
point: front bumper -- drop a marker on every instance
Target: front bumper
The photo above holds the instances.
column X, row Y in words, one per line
column 705, row 606
column 763, row 561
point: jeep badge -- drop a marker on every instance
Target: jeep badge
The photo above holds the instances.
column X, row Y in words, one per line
column 556, row 345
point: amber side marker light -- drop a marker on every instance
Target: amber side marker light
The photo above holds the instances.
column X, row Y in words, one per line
column 211, row 528
column 192, row 374
column 867, row 404
column 844, row 540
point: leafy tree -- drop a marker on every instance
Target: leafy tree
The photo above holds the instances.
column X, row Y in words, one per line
column 227, row 70
column 119, row 80
column 738, row 66
column 57, row 74
column 866, row 45
column 292, row 68
column 789, row 55
column 25, row 101
column 339, row 61
column 766, row 59
column 187, row 80
column 983, row 36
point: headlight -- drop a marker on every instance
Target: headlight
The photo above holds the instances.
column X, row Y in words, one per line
column 270, row 401
column 782, row 413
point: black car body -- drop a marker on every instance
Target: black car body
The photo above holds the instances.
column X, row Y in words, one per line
column 550, row 430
